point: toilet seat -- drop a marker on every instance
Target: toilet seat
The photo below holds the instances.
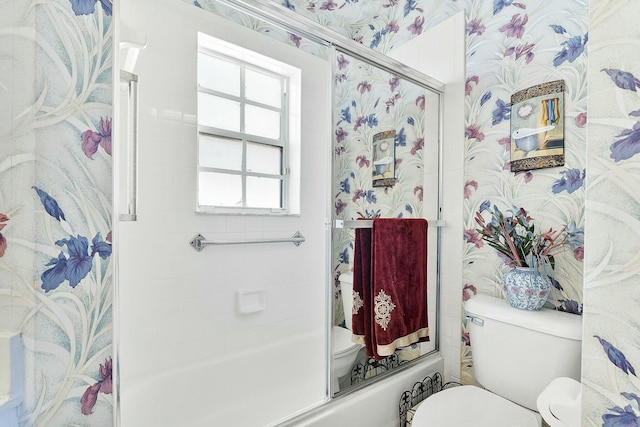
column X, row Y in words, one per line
column 470, row 406
column 342, row 341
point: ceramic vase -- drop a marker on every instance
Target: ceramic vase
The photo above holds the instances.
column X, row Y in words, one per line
column 526, row 288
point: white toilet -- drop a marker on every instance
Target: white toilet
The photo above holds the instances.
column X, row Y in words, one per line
column 516, row 355
column 11, row 377
column 344, row 351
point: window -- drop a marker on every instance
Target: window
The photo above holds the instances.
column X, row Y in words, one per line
column 247, row 127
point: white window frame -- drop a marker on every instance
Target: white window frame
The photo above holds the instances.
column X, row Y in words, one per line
column 289, row 141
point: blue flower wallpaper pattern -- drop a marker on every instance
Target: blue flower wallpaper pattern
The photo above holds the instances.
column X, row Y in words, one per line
column 55, row 214
column 55, row 187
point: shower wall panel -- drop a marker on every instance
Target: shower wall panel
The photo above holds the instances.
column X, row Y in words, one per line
column 178, row 306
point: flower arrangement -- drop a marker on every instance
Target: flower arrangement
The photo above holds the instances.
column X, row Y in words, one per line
column 515, row 238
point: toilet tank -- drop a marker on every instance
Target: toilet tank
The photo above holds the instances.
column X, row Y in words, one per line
column 516, row 353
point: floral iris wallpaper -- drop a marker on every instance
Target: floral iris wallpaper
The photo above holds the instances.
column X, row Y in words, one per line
column 55, row 178
column 369, row 101
column 611, row 344
column 55, row 205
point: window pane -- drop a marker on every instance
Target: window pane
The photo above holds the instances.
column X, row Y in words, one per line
column 263, row 88
column 264, row 192
column 221, row 153
column 218, row 112
column 220, row 189
column 218, row 74
column 262, row 122
column 263, row 158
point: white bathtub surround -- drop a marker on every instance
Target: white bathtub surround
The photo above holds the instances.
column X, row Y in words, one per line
column 251, row 388
column 206, row 335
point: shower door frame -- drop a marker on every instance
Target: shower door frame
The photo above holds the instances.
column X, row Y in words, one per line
column 297, row 24
column 336, row 43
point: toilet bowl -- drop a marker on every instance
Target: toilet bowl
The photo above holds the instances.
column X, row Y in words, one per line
column 472, row 406
column 517, row 354
column 344, row 350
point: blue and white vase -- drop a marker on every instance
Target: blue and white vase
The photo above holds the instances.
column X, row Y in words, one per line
column 526, row 288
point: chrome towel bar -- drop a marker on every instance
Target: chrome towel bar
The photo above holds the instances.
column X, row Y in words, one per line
column 367, row 223
column 199, row 242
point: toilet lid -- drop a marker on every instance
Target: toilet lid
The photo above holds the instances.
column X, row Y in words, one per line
column 470, row 406
column 342, row 340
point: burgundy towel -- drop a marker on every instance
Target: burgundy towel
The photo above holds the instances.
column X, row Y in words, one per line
column 390, row 276
column 361, row 323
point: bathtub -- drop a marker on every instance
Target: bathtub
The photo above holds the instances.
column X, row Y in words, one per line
column 263, row 387
column 254, row 388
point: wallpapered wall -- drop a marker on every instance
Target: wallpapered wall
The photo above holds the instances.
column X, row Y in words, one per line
column 56, row 181
column 369, row 101
column 611, row 344
column 55, row 210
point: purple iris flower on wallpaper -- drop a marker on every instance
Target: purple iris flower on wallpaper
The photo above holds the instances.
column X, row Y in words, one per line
column 616, row 356
column 570, row 306
column 475, row 27
column 73, row 268
column 498, row 5
column 515, row 28
column 103, row 385
column 411, row 5
column 626, row 416
column 623, row 79
column 501, row 112
column 87, row 7
column 377, row 37
column 343, row 257
column 371, row 120
column 467, row 84
column 394, row 82
column 401, row 139
column 3, row 240
column 92, row 140
column 370, row 196
column 572, row 180
column 573, row 48
column 341, row 134
column 628, row 146
column 485, row 98
column 288, row 5
column 525, row 50
column 344, row 186
column 575, row 235
column 328, row 5
column 418, row 145
column 76, row 263
column 623, row 417
column 345, row 114
column 49, row 203
column 416, row 27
